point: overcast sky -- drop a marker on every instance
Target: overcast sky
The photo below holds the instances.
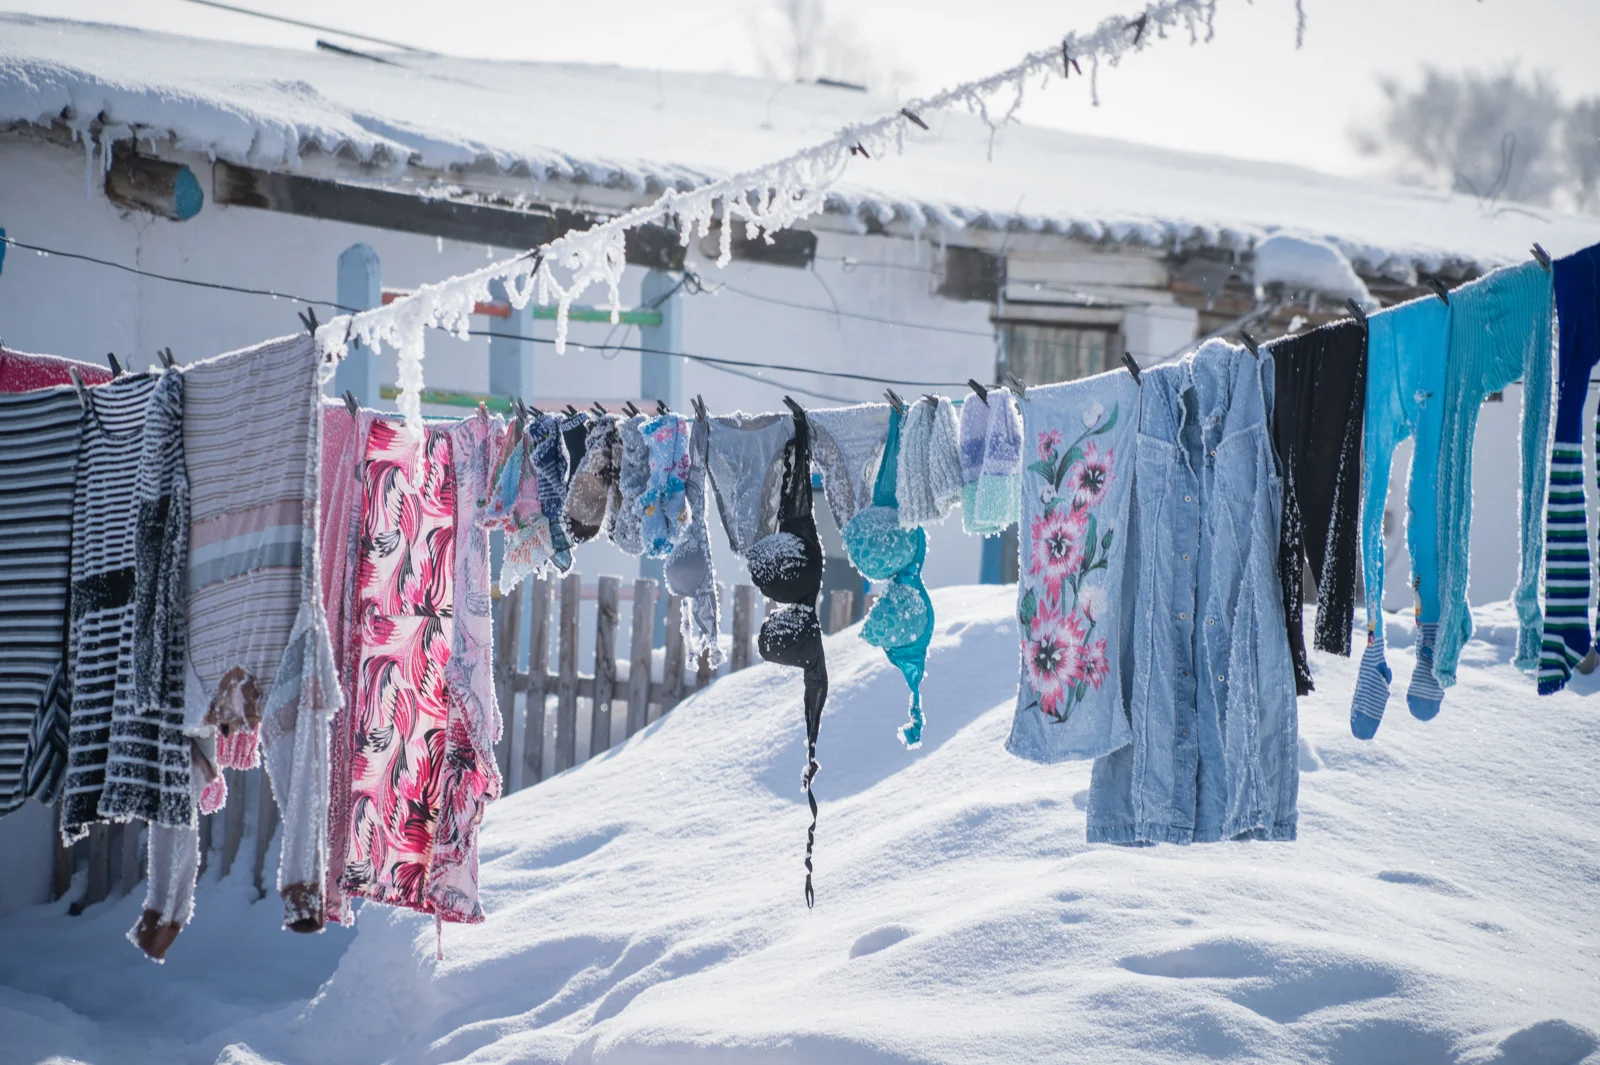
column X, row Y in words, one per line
column 1249, row 92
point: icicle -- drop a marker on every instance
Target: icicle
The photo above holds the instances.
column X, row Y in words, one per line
column 88, row 166
column 1299, row 23
column 1094, row 82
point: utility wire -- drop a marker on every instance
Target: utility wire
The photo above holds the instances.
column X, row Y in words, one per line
column 311, row 26
column 986, row 334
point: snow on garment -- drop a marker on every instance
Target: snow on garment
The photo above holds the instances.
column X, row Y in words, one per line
column 593, row 487
column 1500, row 331
column 39, row 438
column 846, row 446
column 664, row 511
column 689, row 572
column 901, row 619
column 991, row 463
column 104, row 553
column 344, row 449
column 1321, row 395
column 20, row 372
column 1566, row 521
column 929, row 478
column 633, row 480
column 1071, row 612
column 404, row 606
column 746, row 469
column 1407, row 348
column 518, row 497
column 1212, row 705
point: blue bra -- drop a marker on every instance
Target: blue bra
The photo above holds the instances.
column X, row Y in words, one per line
column 901, row 620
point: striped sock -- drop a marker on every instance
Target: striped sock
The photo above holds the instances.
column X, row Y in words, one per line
column 1372, row 690
column 1425, row 696
column 1566, row 571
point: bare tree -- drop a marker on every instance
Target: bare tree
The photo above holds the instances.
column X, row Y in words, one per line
column 1580, row 136
column 801, row 40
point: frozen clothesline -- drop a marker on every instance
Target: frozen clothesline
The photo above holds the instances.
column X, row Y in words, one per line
column 767, row 199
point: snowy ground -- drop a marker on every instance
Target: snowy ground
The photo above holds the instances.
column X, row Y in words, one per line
column 1440, row 905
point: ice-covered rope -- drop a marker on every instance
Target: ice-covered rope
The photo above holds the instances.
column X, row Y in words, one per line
column 767, row 199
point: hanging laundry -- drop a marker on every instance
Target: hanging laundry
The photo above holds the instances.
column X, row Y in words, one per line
column 1407, row 348
column 846, row 446
column 991, row 462
column 104, row 556
column 901, row 618
column 548, row 453
column 1319, row 400
column 404, row 605
column 746, row 469
column 39, row 437
column 1215, row 751
column 520, row 492
column 21, row 372
column 633, row 480
column 689, row 572
column 1500, row 332
column 575, row 439
column 929, row 478
column 786, row 567
column 664, row 512
column 1072, row 614
column 1566, row 521
column 344, row 449
column 592, row 493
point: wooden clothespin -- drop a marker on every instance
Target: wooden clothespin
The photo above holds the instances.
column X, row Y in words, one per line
column 982, row 393
column 913, row 118
column 1541, row 256
column 1357, row 312
column 1250, row 342
column 116, row 367
column 894, row 400
column 1132, row 367
column 351, row 405
column 77, row 383
column 1439, row 290
column 1018, row 386
column 308, row 318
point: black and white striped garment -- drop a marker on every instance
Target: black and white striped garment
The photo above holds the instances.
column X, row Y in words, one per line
column 147, row 763
column 39, row 434
column 103, row 516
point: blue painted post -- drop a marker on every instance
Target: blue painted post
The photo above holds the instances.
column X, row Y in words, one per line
column 660, row 377
column 511, row 361
column 361, row 287
column 989, row 561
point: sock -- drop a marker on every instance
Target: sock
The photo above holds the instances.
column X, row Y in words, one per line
column 1425, row 696
column 1372, row 690
column 1566, row 571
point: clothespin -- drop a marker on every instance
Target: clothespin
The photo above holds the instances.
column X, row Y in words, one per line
column 859, row 149
column 1017, row 385
column 308, row 318
column 1439, row 290
column 1542, row 256
column 352, row 406
column 662, row 408
column 165, row 356
column 77, row 383
column 700, row 410
column 894, row 400
column 598, row 409
column 1132, row 367
column 1138, row 25
column 116, row 367
column 1356, row 311
column 571, row 410
column 914, row 118
column 633, row 411
column 1250, row 342
column 1069, row 64
column 799, row 411
column 983, row 393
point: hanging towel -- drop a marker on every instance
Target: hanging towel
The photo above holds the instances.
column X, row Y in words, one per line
column 344, row 449
column 1407, row 348
column 1074, row 540
column 259, row 646
column 20, row 372
column 1566, row 521
column 929, row 484
column 663, row 506
column 39, row 437
column 1321, row 394
column 104, row 554
column 846, row 446
column 1500, row 331
column 689, row 572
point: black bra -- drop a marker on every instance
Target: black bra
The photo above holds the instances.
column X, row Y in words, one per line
column 787, row 568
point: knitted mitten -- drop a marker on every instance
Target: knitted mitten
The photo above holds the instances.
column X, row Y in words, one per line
column 1425, row 695
column 1372, row 690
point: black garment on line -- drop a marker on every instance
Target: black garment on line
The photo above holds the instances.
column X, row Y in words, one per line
column 1318, row 412
column 787, row 568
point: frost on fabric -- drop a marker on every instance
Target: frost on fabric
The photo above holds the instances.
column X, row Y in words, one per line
column 779, row 557
column 1308, row 264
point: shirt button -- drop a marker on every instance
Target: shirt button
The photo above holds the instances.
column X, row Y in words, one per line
column 1188, row 499
column 1183, row 732
column 1183, row 617
column 1213, row 452
column 1222, row 678
column 1186, row 557
column 1211, row 621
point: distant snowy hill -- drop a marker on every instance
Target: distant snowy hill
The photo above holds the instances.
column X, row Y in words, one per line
column 1439, row 907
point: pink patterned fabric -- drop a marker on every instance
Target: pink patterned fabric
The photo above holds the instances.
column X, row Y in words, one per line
column 405, row 598
column 344, row 448
column 24, row 373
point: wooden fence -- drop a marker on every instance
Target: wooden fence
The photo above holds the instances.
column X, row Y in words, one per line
column 112, row 856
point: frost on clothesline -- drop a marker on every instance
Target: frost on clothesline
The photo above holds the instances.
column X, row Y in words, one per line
column 765, row 200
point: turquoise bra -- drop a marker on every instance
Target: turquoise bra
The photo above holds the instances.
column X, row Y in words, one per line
column 901, row 620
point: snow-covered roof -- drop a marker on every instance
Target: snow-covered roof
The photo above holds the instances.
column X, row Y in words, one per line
column 274, row 108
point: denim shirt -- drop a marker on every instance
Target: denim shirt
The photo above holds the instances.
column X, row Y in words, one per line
column 1211, row 691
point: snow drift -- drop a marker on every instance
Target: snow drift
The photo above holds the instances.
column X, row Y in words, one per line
column 1439, row 906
